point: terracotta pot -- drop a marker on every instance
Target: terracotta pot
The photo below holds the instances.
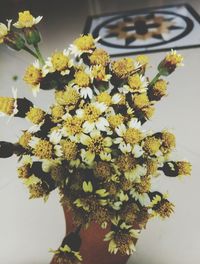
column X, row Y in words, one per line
column 93, row 248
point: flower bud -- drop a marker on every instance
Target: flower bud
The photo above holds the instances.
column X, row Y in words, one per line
column 14, row 40
column 32, row 35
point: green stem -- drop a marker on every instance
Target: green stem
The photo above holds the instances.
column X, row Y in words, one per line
column 39, row 54
column 154, row 79
column 30, row 51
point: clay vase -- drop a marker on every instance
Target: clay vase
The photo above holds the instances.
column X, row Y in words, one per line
column 93, row 249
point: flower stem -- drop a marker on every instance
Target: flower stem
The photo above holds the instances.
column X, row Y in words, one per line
column 30, row 51
column 39, row 54
column 154, row 79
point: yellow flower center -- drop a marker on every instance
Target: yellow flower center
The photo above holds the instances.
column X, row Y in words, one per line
column 7, row 105
column 134, row 82
column 32, row 75
column 105, row 98
column 123, row 242
column 99, row 72
column 24, row 171
column 115, row 120
column 57, row 112
column 85, row 43
column 169, row 141
column 126, row 162
column 96, row 144
column 59, row 61
column 69, row 149
column 132, row 135
column 164, row 208
column 174, row 58
column 35, row 115
column 68, row 97
column 26, row 19
column 184, row 168
column 160, row 88
column 82, row 79
column 99, row 57
column 142, row 59
column 123, row 67
column 152, row 167
column 141, row 100
column 43, row 149
column 24, row 139
column 91, row 113
column 152, row 145
column 148, row 111
column 73, row 125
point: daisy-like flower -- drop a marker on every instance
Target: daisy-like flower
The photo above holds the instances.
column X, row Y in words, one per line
column 99, row 57
column 170, row 63
column 33, row 77
column 35, row 115
column 83, row 44
column 4, row 30
column 66, row 255
column 82, row 82
column 96, row 145
column 8, row 105
column 72, row 127
column 122, row 238
column 91, row 114
column 136, row 83
column 26, row 20
column 59, row 61
column 99, row 73
column 128, row 137
column 140, row 190
column 161, row 206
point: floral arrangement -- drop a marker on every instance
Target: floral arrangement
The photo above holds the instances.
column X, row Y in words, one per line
column 91, row 145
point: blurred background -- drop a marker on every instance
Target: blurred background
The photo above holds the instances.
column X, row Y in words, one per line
column 28, row 228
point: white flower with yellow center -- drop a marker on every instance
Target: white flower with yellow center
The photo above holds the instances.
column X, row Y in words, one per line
column 8, row 105
column 136, row 83
column 136, row 173
column 91, row 113
column 82, row 83
column 59, row 61
column 55, row 136
column 129, row 137
column 83, row 44
column 96, row 145
column 26, row 20
column 4, row 30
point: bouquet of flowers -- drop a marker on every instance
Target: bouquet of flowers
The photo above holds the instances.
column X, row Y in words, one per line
column 91, row 145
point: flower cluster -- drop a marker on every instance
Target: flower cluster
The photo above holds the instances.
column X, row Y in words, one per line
column 91, row 144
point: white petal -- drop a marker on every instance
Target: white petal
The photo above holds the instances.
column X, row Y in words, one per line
column 88, row 127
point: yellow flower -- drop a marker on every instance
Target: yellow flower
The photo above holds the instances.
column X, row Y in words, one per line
column 148, row 111
column 96, row 145
column 43, row 149
column 152, row 166
column 73, row 126
column 57, row 111
column 115, row 120
column 69, row 149
column 141, row 100
column 133, row 135
column 26, row 20
column 136, row 83
column 33, row 77
column 99, row 57
column 142, row 59
column 168, row 142
column 184, row 168
column 99, row 73
column 126, row 162
column 83, row 44
column 152, row 145
column 35, row 115
column 160, row 88
column 82, row 79
column 24, row 171
column 4, row 30
column 24, row 139
column 59, row 61
column 105, row 98
column 122, row 68
column 69, row 97
column 7, row 105
column 162, row 207
column 174, row 58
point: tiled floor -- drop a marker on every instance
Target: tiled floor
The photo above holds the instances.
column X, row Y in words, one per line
column 29, row 228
